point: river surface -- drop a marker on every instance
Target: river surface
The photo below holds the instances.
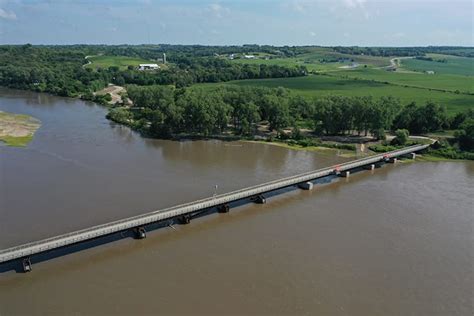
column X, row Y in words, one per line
column 396, row 241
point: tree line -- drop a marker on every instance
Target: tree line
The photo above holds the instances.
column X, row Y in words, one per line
column 60, row 70
column 164, row 111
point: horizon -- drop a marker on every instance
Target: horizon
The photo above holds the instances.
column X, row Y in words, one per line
column 363, row 23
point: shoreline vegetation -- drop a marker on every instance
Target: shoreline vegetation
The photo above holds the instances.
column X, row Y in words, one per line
column 17, row 130
column 275, row 115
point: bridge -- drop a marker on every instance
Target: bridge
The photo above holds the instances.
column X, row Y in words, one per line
column 185, row 212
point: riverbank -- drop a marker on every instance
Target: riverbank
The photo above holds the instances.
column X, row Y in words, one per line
column 17, row 129
column 345, row 153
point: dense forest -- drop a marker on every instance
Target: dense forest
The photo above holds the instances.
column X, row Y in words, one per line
column 163, row 111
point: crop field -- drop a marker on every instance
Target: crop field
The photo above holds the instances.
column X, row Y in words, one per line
column 439, row 81
column 322, row 85
column 454, row 65
column 118, row 61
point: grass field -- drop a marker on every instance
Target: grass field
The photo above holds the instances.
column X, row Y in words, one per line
column 119, row 61
column 321, row 85
column 454, row 65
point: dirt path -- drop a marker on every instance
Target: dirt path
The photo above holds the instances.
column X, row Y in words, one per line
column 114, row 92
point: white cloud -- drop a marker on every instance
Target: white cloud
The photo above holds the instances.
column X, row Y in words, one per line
column 312, row 34
column 218, row 10
column 354, row 3
column 7, row 15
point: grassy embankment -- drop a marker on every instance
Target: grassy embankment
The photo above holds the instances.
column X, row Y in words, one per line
column 17, row 129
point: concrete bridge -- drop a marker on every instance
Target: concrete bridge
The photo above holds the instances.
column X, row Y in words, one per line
column 185, row 212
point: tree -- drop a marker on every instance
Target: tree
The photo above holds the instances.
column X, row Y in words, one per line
column 401, row 137
column 465, row 136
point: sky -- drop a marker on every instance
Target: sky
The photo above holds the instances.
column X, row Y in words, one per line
column 237, row 22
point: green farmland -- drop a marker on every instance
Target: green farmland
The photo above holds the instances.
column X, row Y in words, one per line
column 122, row 62
column 449, row 82
column 442, row 64
column 322, row 85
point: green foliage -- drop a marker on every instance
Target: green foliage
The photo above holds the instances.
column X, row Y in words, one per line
column 120, row 115
column 341, row 115
column 383, row 148
column 428, row 118
column 401, row 137
column 465, row 136
column 379, row 134
column 445, row 150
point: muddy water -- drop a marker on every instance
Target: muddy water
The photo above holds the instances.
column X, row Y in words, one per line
column 398, row 241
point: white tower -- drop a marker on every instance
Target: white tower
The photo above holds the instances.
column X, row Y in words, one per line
column 164, row 58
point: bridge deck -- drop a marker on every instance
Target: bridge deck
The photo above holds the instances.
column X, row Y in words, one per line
column 32, row 248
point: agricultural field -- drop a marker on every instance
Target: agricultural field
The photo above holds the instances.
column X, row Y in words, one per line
column 453, row 65
column 122, row 62
column 448, row 82
column 452, row 84
column 322, row 85
column 321, row 59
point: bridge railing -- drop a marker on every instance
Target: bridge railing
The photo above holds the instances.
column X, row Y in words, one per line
column 174, row 211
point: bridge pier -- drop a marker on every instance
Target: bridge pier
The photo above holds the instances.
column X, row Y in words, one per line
column 259, row 199
column 306, row 185
column 185, row 219
column 393, row 160
column 140, row 232
column 345, row 174
column 26, row 263
column 369, row 167
column 223, row 208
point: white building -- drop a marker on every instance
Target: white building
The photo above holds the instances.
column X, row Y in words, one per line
column 249, row 56
column 148, row 67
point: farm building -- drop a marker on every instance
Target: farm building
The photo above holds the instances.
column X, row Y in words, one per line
column 148, row 67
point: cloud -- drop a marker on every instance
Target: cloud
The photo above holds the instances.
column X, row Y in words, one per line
column 218, row 10
column 312, row 34
column 7, row 15
column 354, row 3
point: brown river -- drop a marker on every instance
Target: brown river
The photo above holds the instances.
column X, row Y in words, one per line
column 395, row 241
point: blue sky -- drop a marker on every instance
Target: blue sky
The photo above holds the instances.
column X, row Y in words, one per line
column 225, row 22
